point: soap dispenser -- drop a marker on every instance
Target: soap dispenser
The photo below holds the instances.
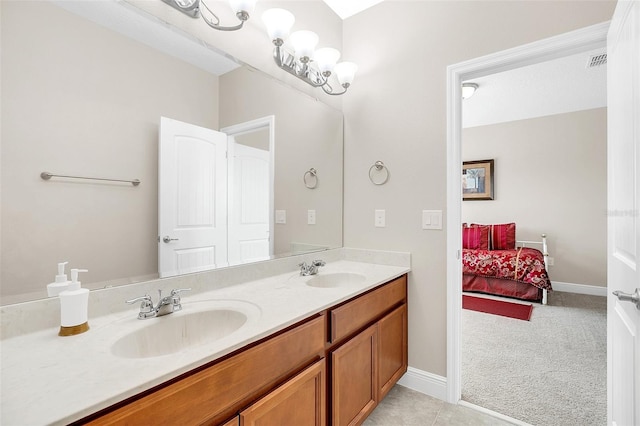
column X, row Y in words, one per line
column 74, row 305
column 60, row 284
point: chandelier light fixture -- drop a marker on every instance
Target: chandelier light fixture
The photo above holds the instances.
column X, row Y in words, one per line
column 314, row 67
column 198, row 8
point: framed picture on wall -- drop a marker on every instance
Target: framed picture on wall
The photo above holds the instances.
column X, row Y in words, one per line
column 477, row 180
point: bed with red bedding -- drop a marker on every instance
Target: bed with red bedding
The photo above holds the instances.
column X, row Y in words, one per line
column 493, row 262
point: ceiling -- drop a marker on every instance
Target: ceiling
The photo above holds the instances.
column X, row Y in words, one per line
column 548, row 88
column 347, row 8
column 132, row 22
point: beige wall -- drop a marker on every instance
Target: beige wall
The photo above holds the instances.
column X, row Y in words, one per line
column 396, row 112
column 308, row 134
column 88, row 103
column 551, row 177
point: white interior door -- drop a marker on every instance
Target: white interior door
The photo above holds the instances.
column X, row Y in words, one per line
column 249, row 171
column 623, row 87
column 192, row 196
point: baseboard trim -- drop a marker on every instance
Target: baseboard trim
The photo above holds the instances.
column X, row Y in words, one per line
column 493, row 413
column 579, row 288
column 424, row 382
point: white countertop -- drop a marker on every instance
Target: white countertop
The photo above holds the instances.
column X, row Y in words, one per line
column 47, row 379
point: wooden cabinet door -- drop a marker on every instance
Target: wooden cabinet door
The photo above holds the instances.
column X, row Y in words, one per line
column 233, row 422
column 392, row 349
column 299, row 401
column 354, row 378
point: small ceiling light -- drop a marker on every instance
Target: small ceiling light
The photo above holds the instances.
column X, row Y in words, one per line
column 242, row 9
column 468, row 89
column 314, row 67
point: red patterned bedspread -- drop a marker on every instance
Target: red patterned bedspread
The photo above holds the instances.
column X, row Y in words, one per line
column 525, row 265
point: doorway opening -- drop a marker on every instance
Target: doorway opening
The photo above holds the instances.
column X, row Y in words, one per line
column 586, row 39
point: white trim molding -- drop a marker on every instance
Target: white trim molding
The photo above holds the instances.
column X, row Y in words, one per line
column 424, row 382
column 494, row 414
column 581, row 40
column 592, row 290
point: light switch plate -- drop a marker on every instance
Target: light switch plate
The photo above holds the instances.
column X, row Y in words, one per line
column 431, row 219
column 380, row 220
column 281, row 216
column 311, row 217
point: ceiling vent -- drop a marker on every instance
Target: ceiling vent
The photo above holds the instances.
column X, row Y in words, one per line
column 597, row 60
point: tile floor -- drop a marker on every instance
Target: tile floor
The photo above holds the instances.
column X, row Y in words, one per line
column 405, row 407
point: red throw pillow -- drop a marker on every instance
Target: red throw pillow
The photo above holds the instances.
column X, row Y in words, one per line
column 503, row 236
column 475, row 237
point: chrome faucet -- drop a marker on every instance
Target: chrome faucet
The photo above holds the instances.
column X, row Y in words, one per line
column 310, row 269
column 166, row 305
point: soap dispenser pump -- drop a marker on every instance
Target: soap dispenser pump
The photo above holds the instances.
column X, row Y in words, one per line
column 74, row 306
column 60, row 284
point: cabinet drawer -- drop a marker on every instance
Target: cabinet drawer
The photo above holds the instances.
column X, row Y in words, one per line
column 215, row 393
column 356, row 314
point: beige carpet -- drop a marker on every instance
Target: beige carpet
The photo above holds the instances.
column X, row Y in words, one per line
column 547, row 371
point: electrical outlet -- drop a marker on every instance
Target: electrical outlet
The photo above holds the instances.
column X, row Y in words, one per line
column 550, row 261
column 380, row 220
column 311, row 217
column 281, row 216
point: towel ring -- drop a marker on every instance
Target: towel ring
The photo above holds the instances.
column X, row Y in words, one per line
column 379, row 166
column 310, row 178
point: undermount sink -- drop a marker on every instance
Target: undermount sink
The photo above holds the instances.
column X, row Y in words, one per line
column 206, row 323
column 336, row 279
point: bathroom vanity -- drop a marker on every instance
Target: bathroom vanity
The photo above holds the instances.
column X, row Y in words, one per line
column 314, row 350
column 359, row 347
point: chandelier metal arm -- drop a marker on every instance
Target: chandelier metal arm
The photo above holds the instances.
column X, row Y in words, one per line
column 242, row 16
column 286, row 61
column 331, row 92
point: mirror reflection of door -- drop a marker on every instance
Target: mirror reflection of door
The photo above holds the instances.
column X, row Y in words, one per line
column 249, row 171
column 192, row 198
column 215, row 196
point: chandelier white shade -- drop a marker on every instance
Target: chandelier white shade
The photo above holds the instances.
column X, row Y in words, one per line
column 304, row 44
column 314, row 67
column 278, row 23
column 243, row 5
column 326, row 58
column 346, row 71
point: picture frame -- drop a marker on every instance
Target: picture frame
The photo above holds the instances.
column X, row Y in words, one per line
column 477, row 180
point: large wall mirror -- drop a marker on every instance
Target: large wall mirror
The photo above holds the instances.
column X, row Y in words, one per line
column 81, row 99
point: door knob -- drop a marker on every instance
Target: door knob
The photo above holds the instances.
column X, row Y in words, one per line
column 167, row 239
column 625, row 297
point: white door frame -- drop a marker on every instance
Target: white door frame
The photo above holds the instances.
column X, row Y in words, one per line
column 267, row 122
column 581, row 40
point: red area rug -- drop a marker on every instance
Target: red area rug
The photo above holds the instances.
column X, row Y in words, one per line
column 497, row 307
